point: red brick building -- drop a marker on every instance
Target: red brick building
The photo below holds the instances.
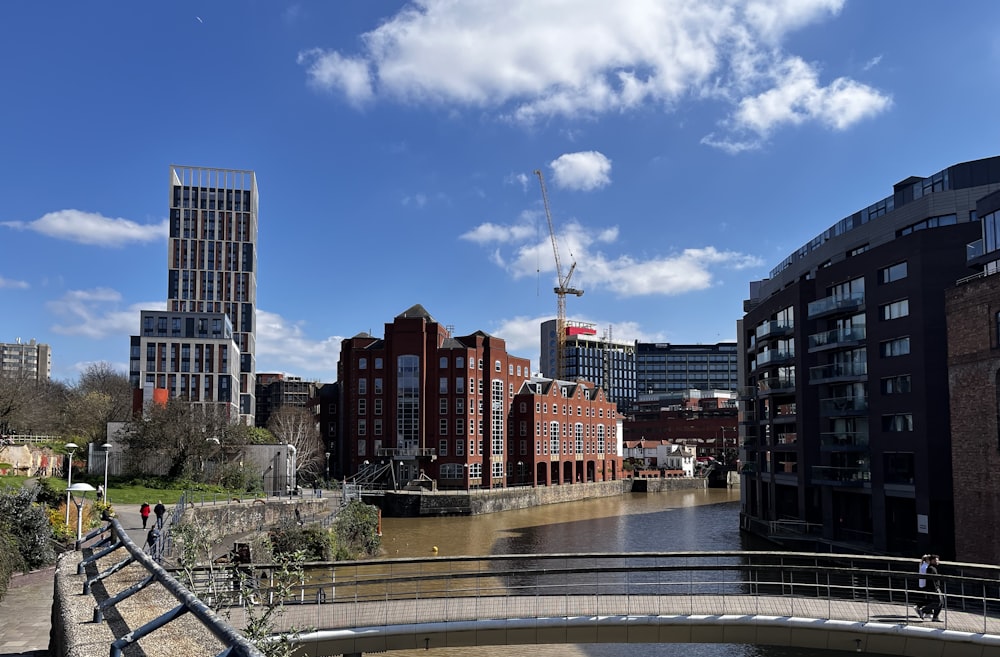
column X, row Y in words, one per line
column 428, row 403
column 564, row 432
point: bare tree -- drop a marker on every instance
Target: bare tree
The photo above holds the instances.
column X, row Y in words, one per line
column 296, row 426
column 181, row 433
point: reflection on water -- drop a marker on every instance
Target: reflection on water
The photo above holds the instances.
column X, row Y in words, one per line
column 705, row 519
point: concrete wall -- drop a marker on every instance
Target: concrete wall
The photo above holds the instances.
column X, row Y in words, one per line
column 475, row 502
column 227, row 522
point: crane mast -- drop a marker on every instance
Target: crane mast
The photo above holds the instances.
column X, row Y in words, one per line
column 562, row 289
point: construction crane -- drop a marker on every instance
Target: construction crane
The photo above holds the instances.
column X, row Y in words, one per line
column 562, row 289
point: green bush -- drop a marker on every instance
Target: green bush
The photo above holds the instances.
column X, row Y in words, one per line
column 26, row 522
column 313, row 541
column 356, row 531
column 10, row 561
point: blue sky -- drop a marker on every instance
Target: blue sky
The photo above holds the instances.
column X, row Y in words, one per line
column 687, row 146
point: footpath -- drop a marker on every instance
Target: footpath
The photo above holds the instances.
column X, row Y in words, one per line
column 26, row 610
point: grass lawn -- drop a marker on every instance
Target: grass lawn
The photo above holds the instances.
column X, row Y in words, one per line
column 123, row 493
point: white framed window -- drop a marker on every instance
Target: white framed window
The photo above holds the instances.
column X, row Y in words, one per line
column 377, row 427
column 443, row 406
column 362, row 386
column 378, row 406
column 443, row 427
column 460, row 447
column 362, row 406
column 442, row 447
column 362, row 427
column 378, row 386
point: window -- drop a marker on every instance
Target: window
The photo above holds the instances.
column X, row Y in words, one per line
column 459, row 406
column 459, row 426
column 442, row 448
column 510, row 369
column 362, row 363
column 378, row 363
column 362, row 444
column 480, row 364
column 897, row 347
column 442, row 406
column 443, row 362
column 362, row 427
column 459, row 447
column 459, row 362
column 895, row 385
column 378, row 407
column 497, row 367
column 443, row 427
column 893, row 272
column 897, row 422
column 362, row 406
column 378, row 427
column 443, row 385
column 896, row 309
column 378, row 386
column 362, row 386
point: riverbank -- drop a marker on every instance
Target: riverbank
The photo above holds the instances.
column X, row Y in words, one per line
column 424, row 503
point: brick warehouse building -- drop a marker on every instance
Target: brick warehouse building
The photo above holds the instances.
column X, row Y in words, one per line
column 973, row 315
column 433, row 404
column 845, row 424
column 564, row 432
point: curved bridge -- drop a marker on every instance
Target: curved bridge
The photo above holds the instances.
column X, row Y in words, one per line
column 807, row 600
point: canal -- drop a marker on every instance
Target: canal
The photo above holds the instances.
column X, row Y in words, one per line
column 705, row 519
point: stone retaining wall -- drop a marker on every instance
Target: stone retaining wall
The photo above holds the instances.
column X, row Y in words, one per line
column 476, row 502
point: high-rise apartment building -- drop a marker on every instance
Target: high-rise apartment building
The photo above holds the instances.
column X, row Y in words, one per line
column 28, row 359
column 587, row 356
column 211, row 271
column 845, row 421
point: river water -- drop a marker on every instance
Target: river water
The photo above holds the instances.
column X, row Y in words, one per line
column 705, row 519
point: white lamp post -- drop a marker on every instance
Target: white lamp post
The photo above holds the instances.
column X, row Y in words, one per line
column 107, row 453
column 83, row 489
column 72, row 447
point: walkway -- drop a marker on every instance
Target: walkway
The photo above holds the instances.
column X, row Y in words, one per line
column 26, row 610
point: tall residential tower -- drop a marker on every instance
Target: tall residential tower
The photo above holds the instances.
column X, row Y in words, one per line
column 211, row 272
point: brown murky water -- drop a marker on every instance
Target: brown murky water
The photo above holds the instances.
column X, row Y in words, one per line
column 677, row 520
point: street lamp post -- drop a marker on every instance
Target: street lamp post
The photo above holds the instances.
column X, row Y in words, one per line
column 72, row 447
column 107, row 453
column 328, row 469
column 83, row 488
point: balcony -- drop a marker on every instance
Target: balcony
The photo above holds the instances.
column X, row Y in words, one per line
column 973, row 250
column 787, row 439
column 746, row 393
column 840, row 337
column 851, row 476
column 843, row 406
column 838, row 371
column 843, row 441
column 774, row 328
column 773, row 356
column 785, row 413
column 836, row 304
column 776, row 385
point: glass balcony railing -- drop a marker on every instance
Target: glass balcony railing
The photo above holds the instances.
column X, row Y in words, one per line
column 837, row 336
column 843, row 406
column 774, row 356
column 773, row 385
column 836, row 304
column 787, row 438
column 785, row 410
column 843, row 440
column 774, row 327
column 843, row 476
column 837, row 371
column 973, row 250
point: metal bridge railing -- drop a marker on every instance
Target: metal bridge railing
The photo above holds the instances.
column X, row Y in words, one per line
column 856, row 588
column 116, row 541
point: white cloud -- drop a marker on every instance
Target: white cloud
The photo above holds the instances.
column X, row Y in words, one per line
column 872, row 63
column 489, row 232
column 282, row 346
column 527, row 60
column 12, row 284
column 90, row 228
column 98, row 313
column 668, row 274
column 329, row 71
column 585, row 171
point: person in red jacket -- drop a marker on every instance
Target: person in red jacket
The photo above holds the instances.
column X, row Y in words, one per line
column 144, row 512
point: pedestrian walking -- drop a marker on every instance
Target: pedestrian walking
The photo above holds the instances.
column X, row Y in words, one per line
column 144, row 512
column 159, row 510
column 153, row 541
column 100, row 492
column 935, row 595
